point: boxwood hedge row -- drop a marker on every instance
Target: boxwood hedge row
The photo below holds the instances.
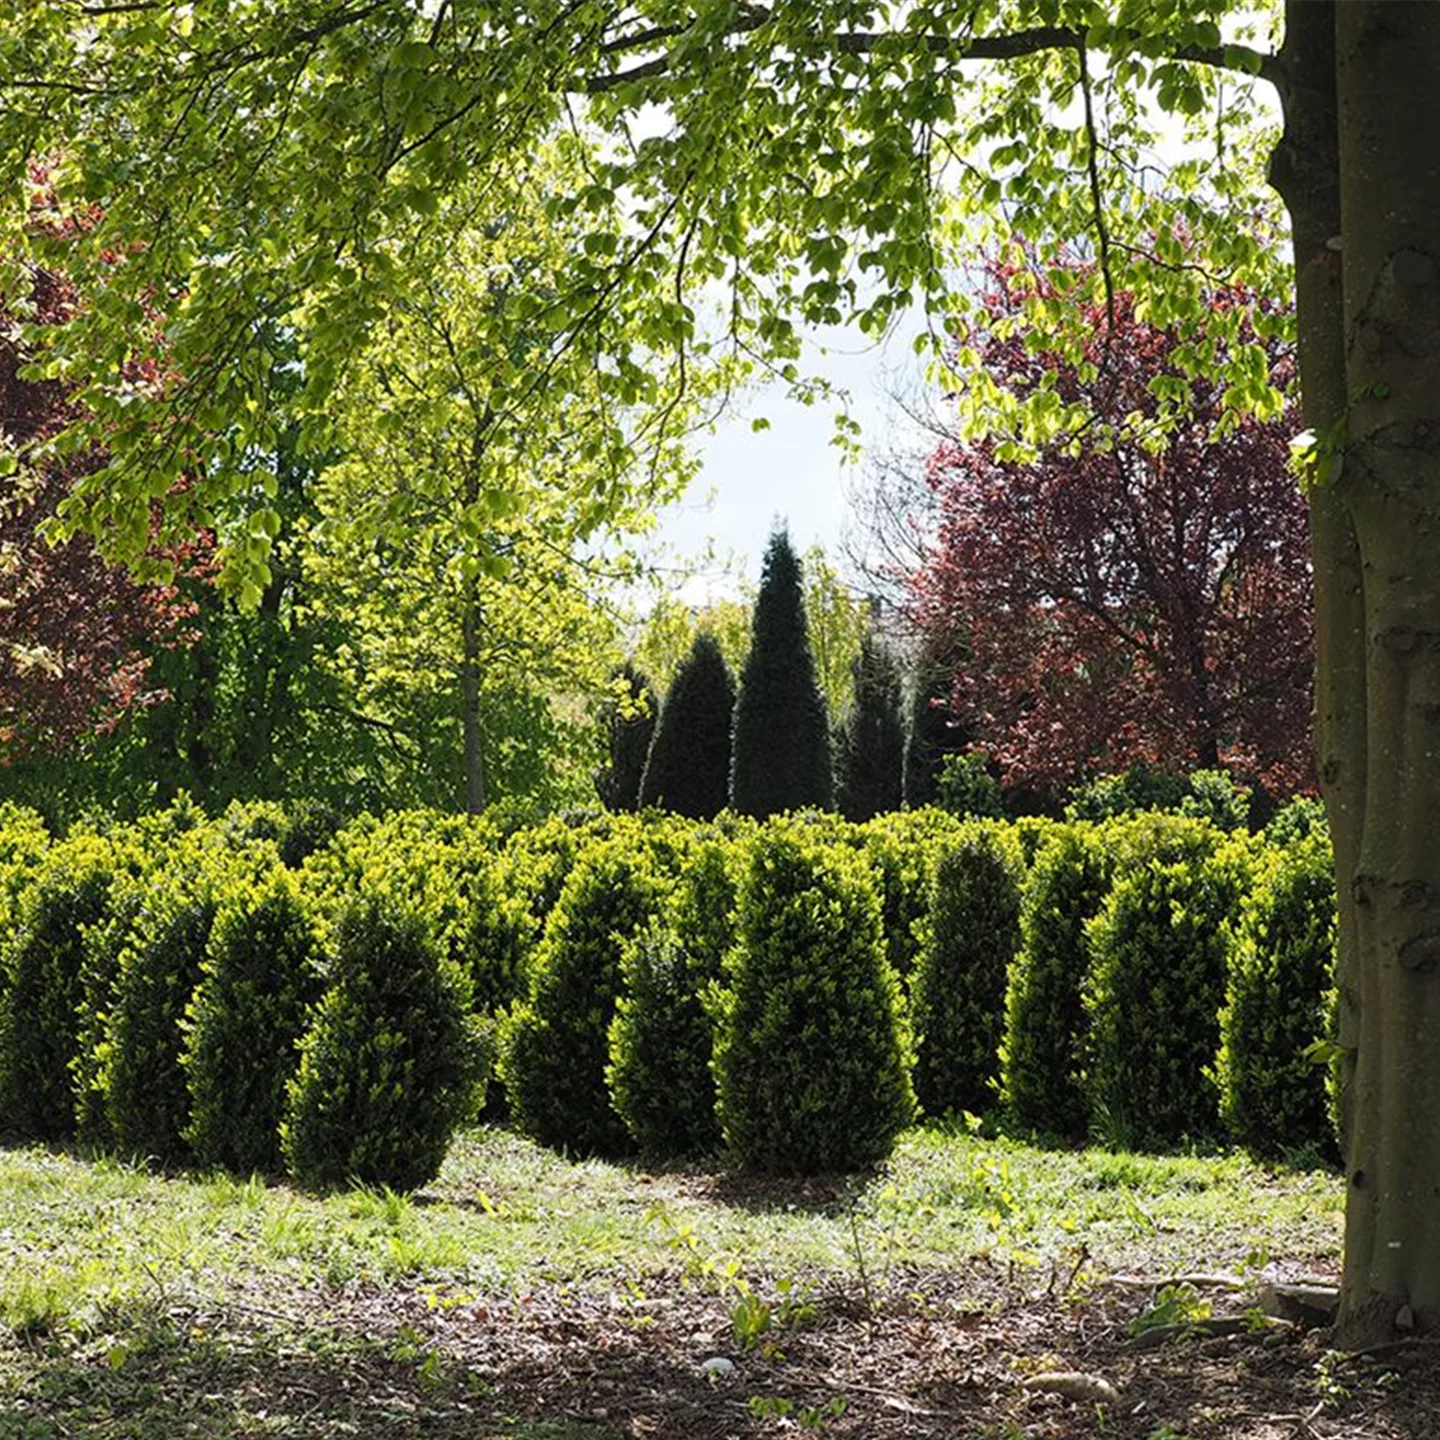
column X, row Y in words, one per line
column 273, row 989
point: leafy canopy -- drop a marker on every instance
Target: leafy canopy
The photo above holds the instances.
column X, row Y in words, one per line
column 289, row 162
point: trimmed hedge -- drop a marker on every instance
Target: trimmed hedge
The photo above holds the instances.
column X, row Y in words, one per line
column 958, row 993
column 811, row 1057
column 147, row 1101
column 662, row 1038
column 1273, row 1094
column 554, row 1046
column 393, row 1062
column 259, row 982
column 42, row 961
column 1156, row 983
column 105, row 942
column 902, row 850
column 1043, row 1052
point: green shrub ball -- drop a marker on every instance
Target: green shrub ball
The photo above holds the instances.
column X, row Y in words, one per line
column 811, row 1058
column 393, row 1063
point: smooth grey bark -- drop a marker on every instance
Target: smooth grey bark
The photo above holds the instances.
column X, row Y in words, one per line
column 1359, row 169
column 1387, row 58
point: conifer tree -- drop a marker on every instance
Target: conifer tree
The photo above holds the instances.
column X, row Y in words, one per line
column 870, row 763
column 781, row 755
column 629, row 733
column 930, row 729
column 689, row 766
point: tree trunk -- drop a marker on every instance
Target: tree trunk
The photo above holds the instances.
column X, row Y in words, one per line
column 470, row 699
column 1377, row 532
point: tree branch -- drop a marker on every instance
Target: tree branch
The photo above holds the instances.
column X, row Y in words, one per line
column 1011, row 46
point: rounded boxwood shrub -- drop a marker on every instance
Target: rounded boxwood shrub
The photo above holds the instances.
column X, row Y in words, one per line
column 43, row 960
column 1294, row 820
column 554, row 1045
column 393, row 1062
column 259, row 981
column 1155, row 987
column 105, row 942
column 810, row 1054
column 902, row 849
column 957, row 995
column 1042, row 1055
column 23, row 843
column 147, row 1101
column 1273, row 1095
column 662, row 1038
column 498, row 940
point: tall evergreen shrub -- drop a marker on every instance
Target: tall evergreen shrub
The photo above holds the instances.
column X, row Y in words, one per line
column 393, row 1062
column 1156, row 983
column 870, row 756
column 260, row 979
column 811, row 1057
column 554, row 1046
column 931, row 729
column 958, row 992
column 1043, row 1054
column 688, row 770
column 781, row 755
column 1273, row 1095
column 42, row 959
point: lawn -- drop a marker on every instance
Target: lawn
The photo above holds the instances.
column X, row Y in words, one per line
column 524, row 1295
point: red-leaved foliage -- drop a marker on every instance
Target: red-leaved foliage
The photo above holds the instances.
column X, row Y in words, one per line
column 1124, row 603
column 75, row 631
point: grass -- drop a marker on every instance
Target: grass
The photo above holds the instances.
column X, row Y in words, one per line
column 149, row 1305
column 77, row 1236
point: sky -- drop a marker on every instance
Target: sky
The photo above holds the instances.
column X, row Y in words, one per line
column 790, row 473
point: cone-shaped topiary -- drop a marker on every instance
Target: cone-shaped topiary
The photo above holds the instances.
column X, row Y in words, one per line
column 1156, row 984
column 931, row 728
column 42, row 960
column 147, row 1101
column 662, row 1039
column 781, row 753
column 99, row 979
column 1277, row 1005
column 259, row 982
column 870, row 758
column 958, row 992
column 629, row 732
column 23, row 843
column 689, row 766
column 1042, row 1057
column 393, row 1062
column 902, row 849
column 810, row 1054
column 554, row 1045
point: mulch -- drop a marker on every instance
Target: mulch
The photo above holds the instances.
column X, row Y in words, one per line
column 935, row 1355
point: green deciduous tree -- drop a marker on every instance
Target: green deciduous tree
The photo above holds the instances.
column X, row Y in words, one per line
column 781, row 755
column 629, row 721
